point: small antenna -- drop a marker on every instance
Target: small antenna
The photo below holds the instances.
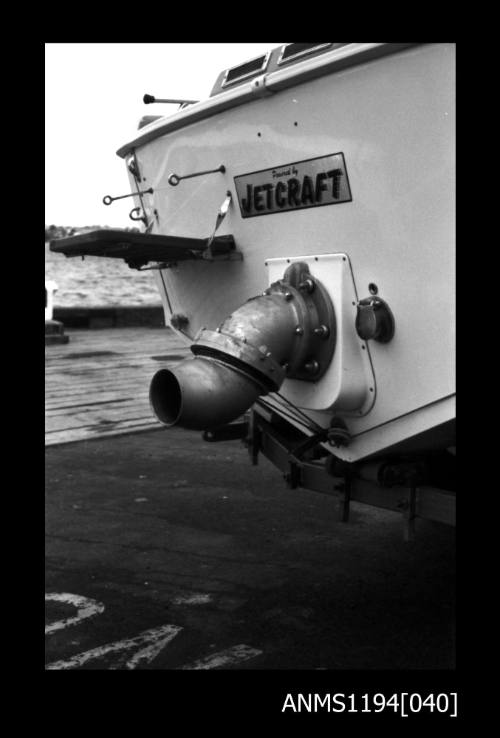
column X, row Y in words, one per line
column 147, row 99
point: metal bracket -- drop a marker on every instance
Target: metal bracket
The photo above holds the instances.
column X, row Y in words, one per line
column 234, row 256
column 292, row 477
column 409, row 513
column 221, row 214
column 298, row 452
column 133, row 167
column 258, row 87
column 254, row 438
column 344, row 498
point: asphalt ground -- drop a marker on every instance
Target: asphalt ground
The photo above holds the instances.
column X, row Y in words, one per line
column 195, row 559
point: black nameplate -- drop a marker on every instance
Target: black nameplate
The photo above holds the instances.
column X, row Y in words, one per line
column 302, row 184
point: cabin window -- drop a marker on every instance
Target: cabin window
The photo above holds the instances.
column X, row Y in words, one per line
column 291, row 52
column 248, row 69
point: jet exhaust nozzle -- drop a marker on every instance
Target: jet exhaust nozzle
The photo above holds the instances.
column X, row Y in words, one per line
column 200, row 394
column 288, row 331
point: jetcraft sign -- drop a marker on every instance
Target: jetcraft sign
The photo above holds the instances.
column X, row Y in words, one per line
column 303, row 184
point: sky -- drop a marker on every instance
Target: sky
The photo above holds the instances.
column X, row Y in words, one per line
column 93, row 103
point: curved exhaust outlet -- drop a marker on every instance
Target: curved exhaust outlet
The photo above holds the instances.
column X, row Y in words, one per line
column 201, row 393
column 287, row 332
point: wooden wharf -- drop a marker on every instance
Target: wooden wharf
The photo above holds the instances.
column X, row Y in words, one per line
column 98, row 384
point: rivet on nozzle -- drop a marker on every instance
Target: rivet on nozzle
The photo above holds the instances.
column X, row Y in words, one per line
column 288, row 296
column 299, row 330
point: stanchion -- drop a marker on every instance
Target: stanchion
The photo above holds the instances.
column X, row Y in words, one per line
column 54, row 329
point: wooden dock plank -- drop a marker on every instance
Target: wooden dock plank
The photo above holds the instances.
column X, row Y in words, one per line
column 85, row 434
column 97, row 385
column 98, row 411
column 89, row 399
column 118, row 376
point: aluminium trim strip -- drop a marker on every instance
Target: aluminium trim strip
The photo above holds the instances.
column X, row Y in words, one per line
column 329, row 62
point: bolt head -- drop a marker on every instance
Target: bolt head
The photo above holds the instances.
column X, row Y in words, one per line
column 299, row 330
column 322, row 331
column 312, row 367
column 306, row 286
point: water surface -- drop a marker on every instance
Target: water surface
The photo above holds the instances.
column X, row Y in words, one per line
column 98, row 281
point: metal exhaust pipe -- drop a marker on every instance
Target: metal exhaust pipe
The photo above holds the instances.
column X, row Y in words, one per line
column 288, row 331
column 201, row 394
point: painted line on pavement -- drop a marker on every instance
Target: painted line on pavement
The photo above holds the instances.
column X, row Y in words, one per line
column 147, row 646
column 231, row 656
column 86, row 608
